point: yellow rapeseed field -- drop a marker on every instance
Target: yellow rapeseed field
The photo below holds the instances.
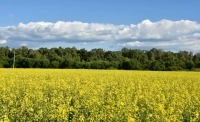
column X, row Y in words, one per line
column 98, row 96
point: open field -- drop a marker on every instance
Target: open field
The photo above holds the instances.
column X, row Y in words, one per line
column 98, row 95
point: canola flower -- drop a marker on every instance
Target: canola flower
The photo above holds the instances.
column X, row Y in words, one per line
column 98, row 95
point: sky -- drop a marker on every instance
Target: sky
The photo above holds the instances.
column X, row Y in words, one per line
column 171, row 25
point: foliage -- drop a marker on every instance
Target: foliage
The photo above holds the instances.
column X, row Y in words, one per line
column 72, row 58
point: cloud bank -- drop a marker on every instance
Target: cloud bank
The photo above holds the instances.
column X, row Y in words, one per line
column 164, row 34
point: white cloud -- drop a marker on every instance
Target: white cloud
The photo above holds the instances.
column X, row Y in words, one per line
column 165, row 34
column 162, row 30
column 3, row 41
column 65, row 31
column 129, row 44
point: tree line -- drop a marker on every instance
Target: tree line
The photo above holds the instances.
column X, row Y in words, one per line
column 98, row 58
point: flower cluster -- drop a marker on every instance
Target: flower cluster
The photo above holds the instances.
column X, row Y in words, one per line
column 98, row 95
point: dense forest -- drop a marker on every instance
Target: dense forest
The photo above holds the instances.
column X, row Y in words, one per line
column 72, row 58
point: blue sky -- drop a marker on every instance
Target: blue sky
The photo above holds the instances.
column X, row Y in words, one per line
column 110, row 24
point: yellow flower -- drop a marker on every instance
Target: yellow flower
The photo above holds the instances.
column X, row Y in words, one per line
column 130, row 119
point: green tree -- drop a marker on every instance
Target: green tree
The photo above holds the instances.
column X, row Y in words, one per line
column 157, row 66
